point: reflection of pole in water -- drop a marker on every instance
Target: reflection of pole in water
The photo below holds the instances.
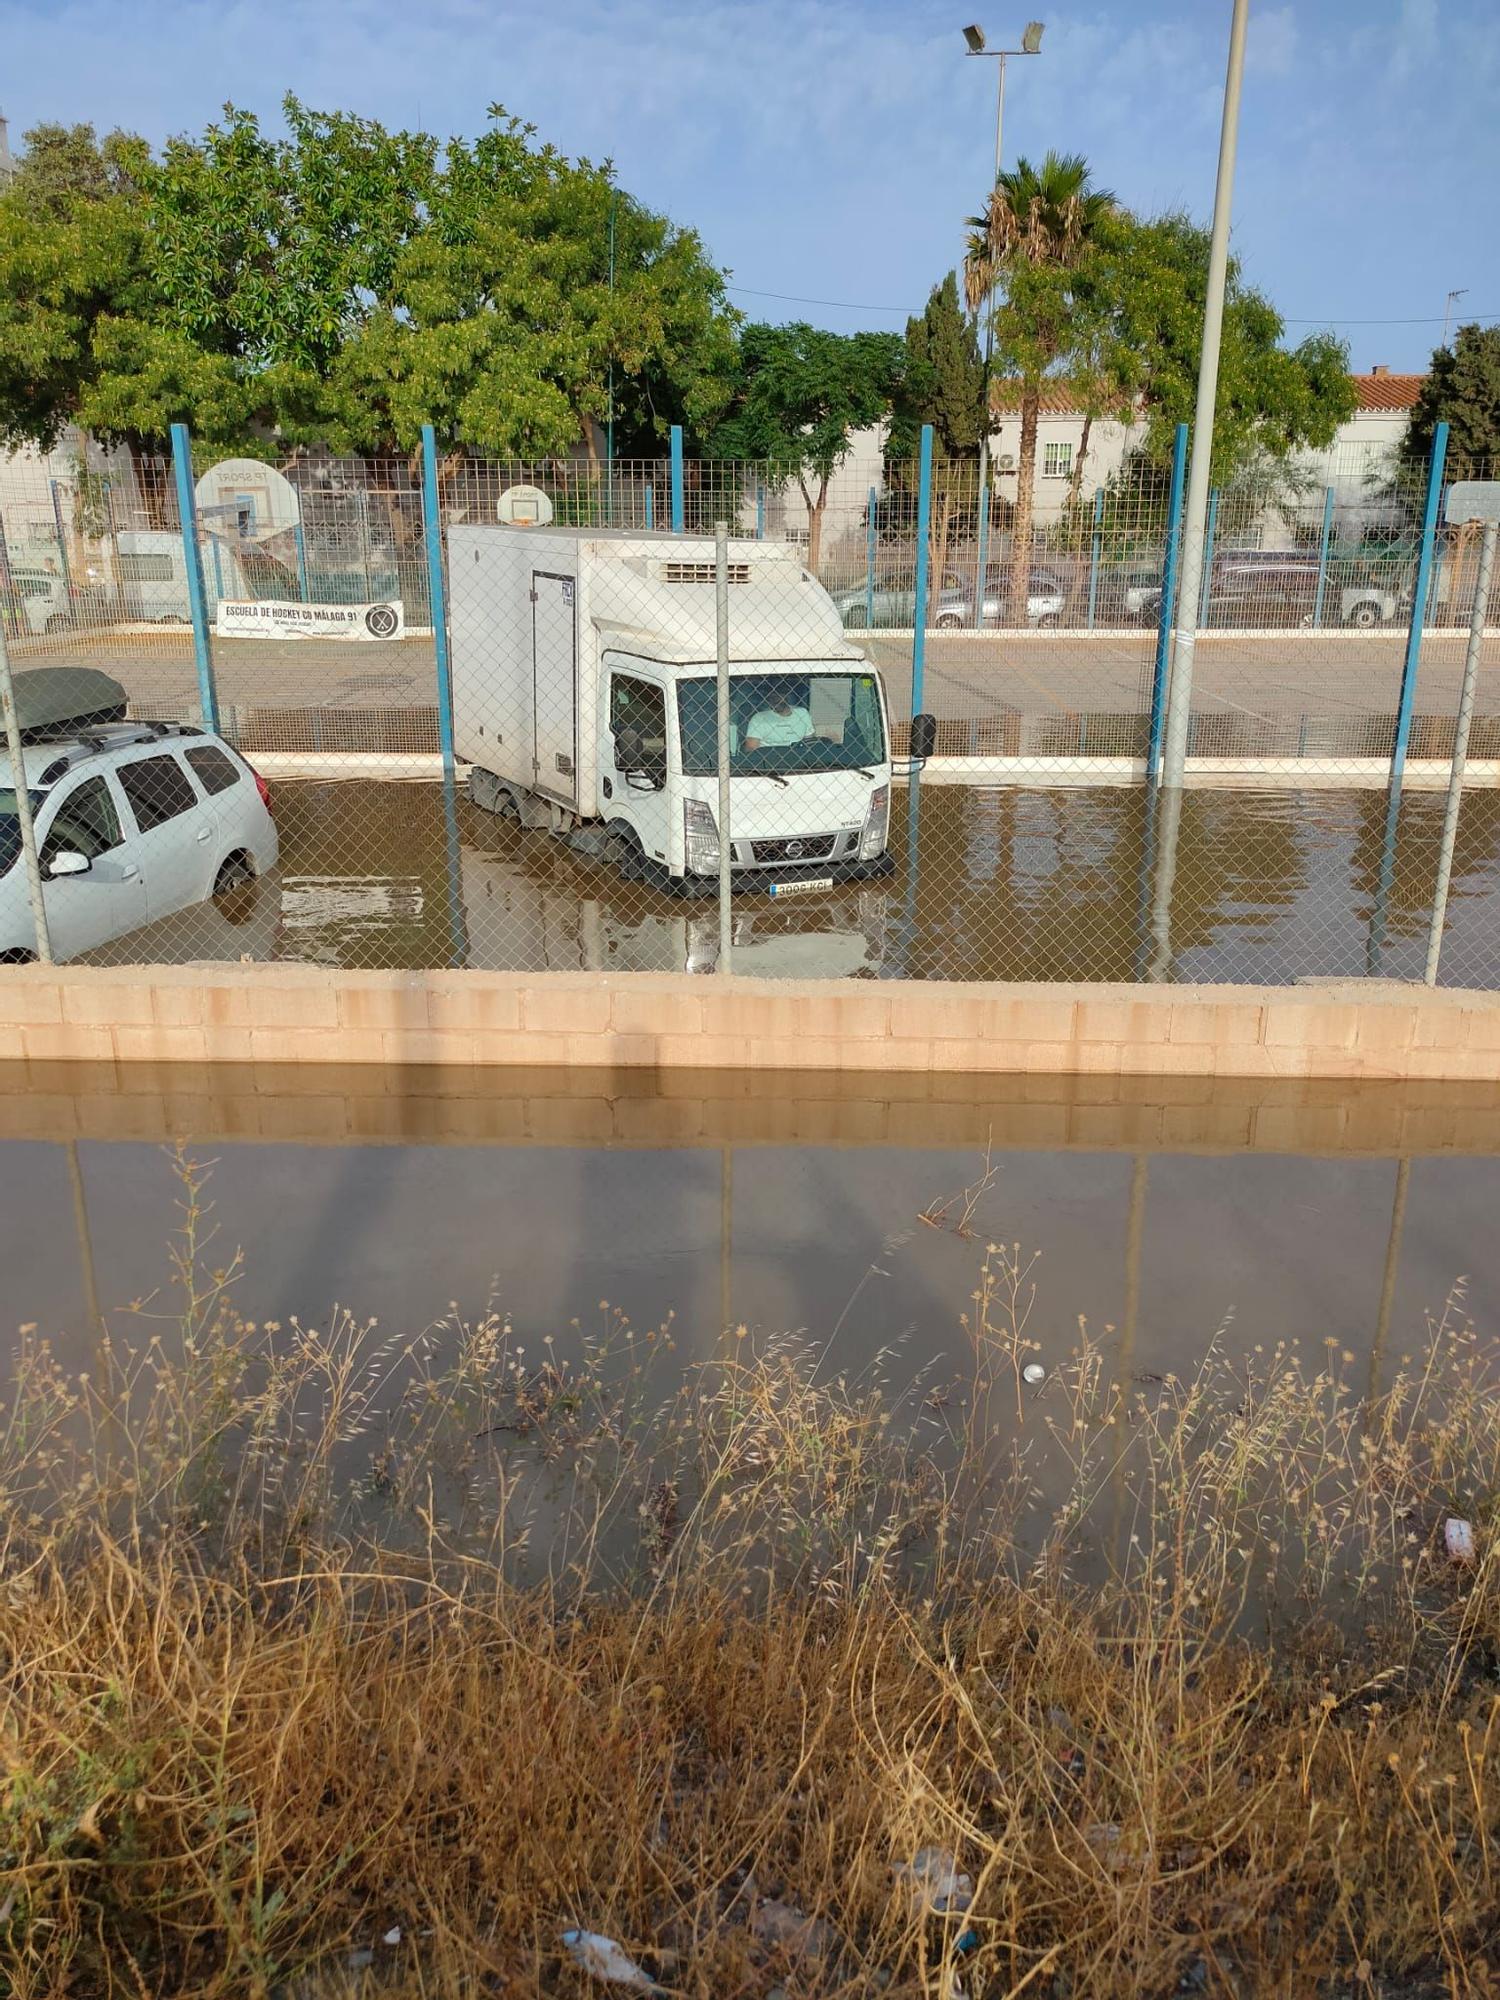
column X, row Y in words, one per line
column 85, row 1241
column 1375, row 940
column 1135, row 1229
column 1165, row 881
column 458, row 932
column 898, row 966
column 726, row 1237
column 1144, row 881
column 1388, row 1280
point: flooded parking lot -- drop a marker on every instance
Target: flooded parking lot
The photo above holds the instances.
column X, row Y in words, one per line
column 994, row 883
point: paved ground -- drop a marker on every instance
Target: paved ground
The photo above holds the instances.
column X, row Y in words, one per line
column 968, row 675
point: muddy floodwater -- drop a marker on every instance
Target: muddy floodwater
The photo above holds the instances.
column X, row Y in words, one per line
column 989, row 884
column 1247, row 1215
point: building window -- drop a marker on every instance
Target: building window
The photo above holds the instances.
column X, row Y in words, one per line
column 1057, row 461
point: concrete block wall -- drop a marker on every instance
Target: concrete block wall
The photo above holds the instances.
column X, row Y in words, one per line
column 663, row 1023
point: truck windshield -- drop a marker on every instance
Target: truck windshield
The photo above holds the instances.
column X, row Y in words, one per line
column 783, row 721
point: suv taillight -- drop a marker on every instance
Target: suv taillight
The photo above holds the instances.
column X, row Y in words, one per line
column 262, row 787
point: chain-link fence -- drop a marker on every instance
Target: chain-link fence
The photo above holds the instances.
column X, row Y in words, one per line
column 538, row 775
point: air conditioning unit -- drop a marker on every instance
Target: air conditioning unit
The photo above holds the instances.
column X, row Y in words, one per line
column 1006, row 462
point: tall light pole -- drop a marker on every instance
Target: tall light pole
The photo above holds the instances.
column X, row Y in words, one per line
column 1031, row 45
column 1185, row 616
column 1448, row 305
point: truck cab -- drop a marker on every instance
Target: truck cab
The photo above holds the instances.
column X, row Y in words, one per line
column 808, row 761
column 586, row 700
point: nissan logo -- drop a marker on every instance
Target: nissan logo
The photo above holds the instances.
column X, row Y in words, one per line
column 793, row 849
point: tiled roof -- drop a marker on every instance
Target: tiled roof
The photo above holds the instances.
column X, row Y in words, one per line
column 1057, row 399
column 1374, row 392
column 1387, row 392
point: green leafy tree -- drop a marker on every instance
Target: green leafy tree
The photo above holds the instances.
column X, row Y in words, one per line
column 1035, row 231
column 1143, row 288
column 502, row 324
column 345, row 284
column 802, row 395
column 942, row 384
column 942, row 381
column 1462, row 389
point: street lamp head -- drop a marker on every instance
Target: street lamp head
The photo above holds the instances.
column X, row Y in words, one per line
column 1031, row 41
column 974, row 36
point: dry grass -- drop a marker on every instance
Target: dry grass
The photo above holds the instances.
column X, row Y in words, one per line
column 312, row 1636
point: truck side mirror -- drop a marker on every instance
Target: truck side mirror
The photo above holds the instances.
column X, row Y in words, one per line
column 629, row 749
column 923, row 737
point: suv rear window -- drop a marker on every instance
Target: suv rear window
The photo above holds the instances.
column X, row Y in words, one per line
column 212, row 769
column 158, row 790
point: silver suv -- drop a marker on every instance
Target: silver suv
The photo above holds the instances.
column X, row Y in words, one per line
column 133, row 821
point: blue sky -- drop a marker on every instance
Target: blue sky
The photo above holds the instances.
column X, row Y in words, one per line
column 831, row 148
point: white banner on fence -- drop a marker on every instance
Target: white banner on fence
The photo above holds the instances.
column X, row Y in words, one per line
column 263, row 619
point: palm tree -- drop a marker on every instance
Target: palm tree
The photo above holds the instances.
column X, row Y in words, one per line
column 1035, row 231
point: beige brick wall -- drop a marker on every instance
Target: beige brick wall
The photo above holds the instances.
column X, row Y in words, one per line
column 669, row 1025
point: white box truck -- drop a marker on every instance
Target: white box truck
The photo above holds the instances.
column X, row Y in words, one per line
column 585, row 701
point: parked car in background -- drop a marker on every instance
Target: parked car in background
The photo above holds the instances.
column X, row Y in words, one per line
column 1264, row 587
column 1127, row 593
column 36, row 599
column 133, row 819
column 1047, row 595
column 894, row 601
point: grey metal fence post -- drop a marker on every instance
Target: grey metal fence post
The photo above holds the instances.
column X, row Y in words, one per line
column 192, row 558
column 721, row 627
column 23, row 805
column 872, row 530
column 1460, row 750
column 1323, row 541
column 62, row 543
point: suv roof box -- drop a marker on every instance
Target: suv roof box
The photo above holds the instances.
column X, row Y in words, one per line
column 59, row 701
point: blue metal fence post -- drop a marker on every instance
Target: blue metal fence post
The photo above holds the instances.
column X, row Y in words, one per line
column 302, row 562
column 760, row 510
column 650, row 507
column 437, row 595
column 919, row 605
column 1376, row 940
column 982, row 567
column 1323, row 541
column 678, row 515
column 872, row 532
column 192, row 558
column 1094, row 545
column 1419, row 605
column 1208, row 555
column 1168, row 604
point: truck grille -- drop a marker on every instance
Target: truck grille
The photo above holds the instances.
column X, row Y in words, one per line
column 812, row 847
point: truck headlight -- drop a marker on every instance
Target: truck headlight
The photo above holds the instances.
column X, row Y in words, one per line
column 877, row 824
column 700, row 837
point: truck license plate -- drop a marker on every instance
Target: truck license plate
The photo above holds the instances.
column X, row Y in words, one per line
column 802, row 888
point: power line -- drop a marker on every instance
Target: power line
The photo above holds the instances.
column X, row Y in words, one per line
column 839, row 305
column 852, row 305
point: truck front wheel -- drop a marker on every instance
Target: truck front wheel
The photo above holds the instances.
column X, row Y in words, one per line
column 627, row 853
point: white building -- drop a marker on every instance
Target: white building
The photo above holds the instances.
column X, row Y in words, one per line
column 1363, row 447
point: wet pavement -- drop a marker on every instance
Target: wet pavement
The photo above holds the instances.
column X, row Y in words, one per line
column 991, row 884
